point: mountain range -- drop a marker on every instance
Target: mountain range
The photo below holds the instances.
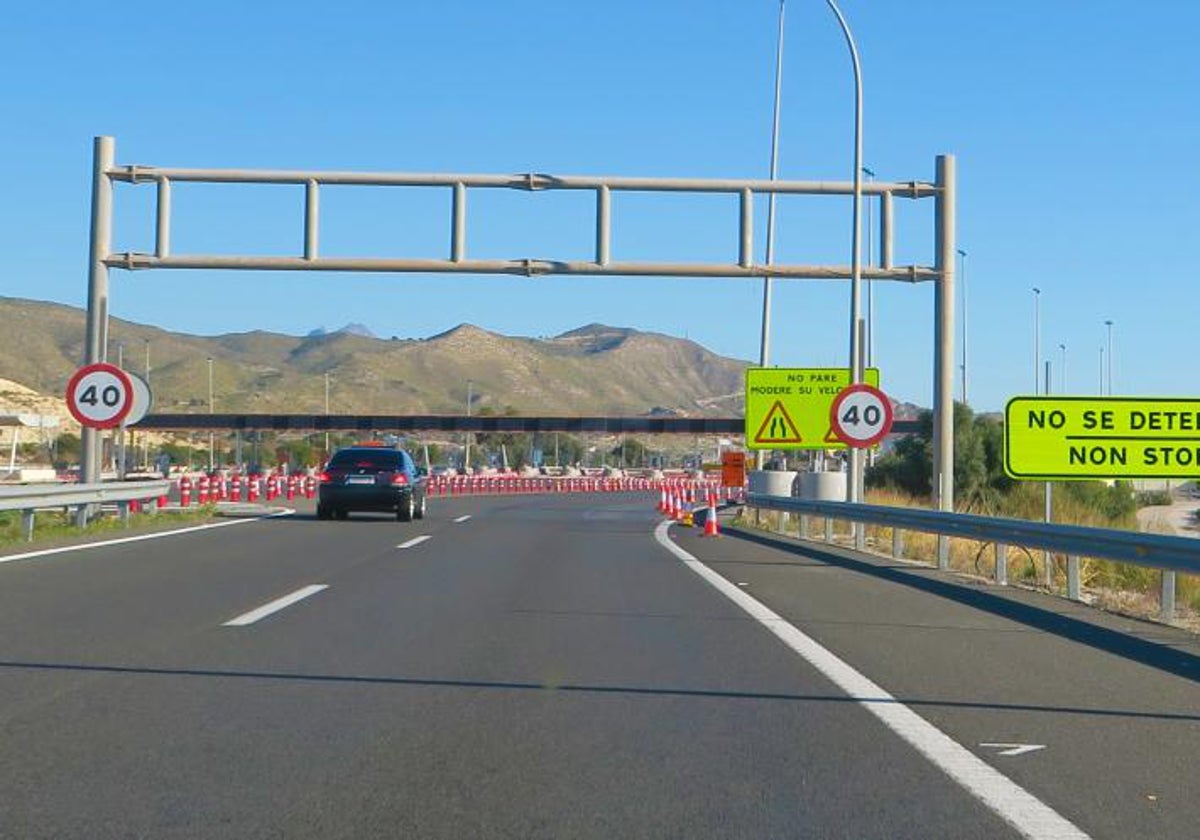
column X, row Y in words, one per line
column 593, row 370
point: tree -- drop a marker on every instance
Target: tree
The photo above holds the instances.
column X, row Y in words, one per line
column 68, row 449
column 631, row 452
column 979, row 478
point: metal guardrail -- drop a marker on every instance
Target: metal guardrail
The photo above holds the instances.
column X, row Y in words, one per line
column 1169, row 554
column 31, row 498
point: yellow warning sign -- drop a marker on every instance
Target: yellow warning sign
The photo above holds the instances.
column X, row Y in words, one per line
column 777, row 428
column 788, row 408
column 1101, row 437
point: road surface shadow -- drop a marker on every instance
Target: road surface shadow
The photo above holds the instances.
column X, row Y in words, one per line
column 572, row 688
column 1160, row 655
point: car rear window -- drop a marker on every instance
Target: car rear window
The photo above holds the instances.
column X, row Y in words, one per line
column 353, row 459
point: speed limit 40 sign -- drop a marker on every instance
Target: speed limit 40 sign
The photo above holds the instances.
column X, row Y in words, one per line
column 99, row 396
column 861, row 416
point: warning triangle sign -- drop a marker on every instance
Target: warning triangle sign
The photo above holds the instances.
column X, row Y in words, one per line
column 777, row 427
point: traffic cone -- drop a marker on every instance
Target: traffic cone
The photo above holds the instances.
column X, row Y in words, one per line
column 662, row 501
column 711, row 528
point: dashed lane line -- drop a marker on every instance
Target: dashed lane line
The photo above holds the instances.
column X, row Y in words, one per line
column 275, row 606
column 415, row 541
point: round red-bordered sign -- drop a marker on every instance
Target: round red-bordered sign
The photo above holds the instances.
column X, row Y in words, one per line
column 99, row 396
column 861, row 415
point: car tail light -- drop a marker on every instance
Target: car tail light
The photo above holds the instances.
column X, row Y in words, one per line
column 399, row 479
column 324, row 478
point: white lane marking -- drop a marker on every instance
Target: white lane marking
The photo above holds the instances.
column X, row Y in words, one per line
column 45, row 552
column 275, row 606
column 415, row 541
column 1011, row 802
column 1014, row 749
column 462, row 519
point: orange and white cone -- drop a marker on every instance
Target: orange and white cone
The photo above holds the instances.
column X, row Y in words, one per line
column 711, row 528
column 662, row 501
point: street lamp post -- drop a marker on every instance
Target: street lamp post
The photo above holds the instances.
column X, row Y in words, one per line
column 854, row 485
column 326, row 413
column 211, row 435
column 145, row 438
column 870, row 349
column 963, row 274
column 467, row 448
column 764, row 352
column 1109, row 324
column 1062, row 377
column 1037, row 336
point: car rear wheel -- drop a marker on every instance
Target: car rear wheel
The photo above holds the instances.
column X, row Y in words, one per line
column 323, row 512
column 405, row 512
column 419, row 512
column 342, row 514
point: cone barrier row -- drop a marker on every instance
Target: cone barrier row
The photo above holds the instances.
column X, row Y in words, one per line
column 681, row 504
column 515, row 485
column 205, row 490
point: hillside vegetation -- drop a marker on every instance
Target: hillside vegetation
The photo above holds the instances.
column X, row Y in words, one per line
column 592, row 370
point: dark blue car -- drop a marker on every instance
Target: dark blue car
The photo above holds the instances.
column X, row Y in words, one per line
column 371, row 478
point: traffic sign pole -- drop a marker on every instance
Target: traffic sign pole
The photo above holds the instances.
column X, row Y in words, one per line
column 103, row 159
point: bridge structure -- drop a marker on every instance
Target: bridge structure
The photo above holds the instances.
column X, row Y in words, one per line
column 457, row 423
column 106, row 173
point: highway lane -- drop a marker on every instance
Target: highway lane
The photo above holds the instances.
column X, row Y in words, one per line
column 542, row 669
column 1114, row 702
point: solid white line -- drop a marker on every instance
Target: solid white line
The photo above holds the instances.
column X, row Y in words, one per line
column 45, row 552
column 462, row 519
column 415, row 541
column 1015, row 805
column 275, row 606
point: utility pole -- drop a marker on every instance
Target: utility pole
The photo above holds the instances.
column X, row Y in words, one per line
column 211, row 434
column 327, row 413
column 764, row 353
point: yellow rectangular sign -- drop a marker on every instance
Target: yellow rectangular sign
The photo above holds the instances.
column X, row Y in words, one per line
column 788, row 408
column 1101, row 437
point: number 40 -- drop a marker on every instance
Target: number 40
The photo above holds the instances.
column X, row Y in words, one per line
column 871, row 415
column 110, row 396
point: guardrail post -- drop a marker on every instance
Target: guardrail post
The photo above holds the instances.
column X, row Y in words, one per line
column 81, row 516
column 784, row 519
column 1073, row 589
column 804, row 526
column 1167, row 612
column 828, row 530
column 860, row 536
column 943, row 552
column 1002, row 564
column 897, row 543
column 27, row 525
column 123, row 509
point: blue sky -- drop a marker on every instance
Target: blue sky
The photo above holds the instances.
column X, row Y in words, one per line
column 1075, row 125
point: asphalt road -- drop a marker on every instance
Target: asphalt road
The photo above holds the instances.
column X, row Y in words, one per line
column 546, row 669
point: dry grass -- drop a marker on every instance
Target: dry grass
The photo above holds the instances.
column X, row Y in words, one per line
column 54, row 526
column 1116, row 587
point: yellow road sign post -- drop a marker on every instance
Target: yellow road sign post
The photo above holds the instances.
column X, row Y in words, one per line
column 788, row 408
column 1101, row 437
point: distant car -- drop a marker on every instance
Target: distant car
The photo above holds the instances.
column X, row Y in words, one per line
column 371, row 478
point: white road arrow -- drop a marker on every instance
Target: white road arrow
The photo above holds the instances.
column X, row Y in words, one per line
column 1015, row 749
